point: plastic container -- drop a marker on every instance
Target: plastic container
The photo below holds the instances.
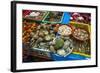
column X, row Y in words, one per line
column 34, row 19
column 52, row 22
column 66, row 18
column 81, row 25
column 69, row 57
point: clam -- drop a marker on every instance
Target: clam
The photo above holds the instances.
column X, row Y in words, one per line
column 61, row 52
column 48, row 38
column 52, row 49
column 41, row 34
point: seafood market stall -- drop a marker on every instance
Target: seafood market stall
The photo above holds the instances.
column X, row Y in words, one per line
column 55, row 36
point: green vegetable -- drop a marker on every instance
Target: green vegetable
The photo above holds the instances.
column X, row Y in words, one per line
column 59, row 43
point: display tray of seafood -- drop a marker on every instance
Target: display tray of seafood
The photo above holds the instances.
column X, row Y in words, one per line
column 57, row 39
column 81, row 17
column 53, row 17
column 34, row 15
